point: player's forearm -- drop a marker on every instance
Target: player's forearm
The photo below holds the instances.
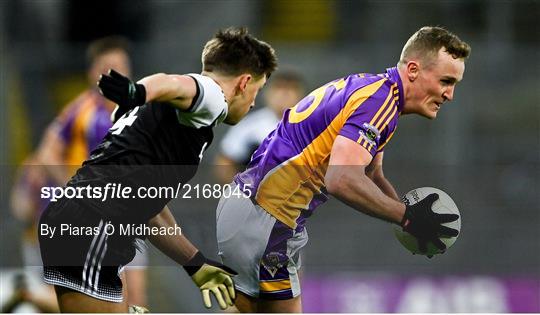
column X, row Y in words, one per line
column 352, row 186
column 176, row 247
column 174, row 89
column 385, row 186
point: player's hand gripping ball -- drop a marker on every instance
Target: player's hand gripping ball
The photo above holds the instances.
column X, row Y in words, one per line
column 437, row 217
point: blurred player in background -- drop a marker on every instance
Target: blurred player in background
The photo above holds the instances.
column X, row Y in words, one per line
column 82, row 124
column 332, row 142
column 66, row 144
column 163, row 125
column 26, row 206
column 22, row 296
column 284, row 89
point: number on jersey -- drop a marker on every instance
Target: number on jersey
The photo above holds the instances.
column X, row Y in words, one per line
column 124, row 121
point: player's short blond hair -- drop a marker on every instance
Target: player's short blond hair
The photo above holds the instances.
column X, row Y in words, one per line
column 427, row 41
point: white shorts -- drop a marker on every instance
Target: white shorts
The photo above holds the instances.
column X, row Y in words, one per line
column 264, row 251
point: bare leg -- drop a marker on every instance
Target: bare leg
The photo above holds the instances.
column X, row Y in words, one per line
column 75, row 302
column 245, row 303
column 125, row 292
column 293, row 305
column 136, row 285
column 248, row 304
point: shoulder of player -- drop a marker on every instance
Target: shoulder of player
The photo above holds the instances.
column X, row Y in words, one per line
column 208, row 108
column 206, row 83
column 209, row 90
column 375, row 87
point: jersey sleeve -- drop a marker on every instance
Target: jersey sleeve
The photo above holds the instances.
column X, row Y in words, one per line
column 367, row 122
column 209, row 108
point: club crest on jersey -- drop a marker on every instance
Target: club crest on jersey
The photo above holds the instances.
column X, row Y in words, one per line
column 370, row 133
column 273, row 261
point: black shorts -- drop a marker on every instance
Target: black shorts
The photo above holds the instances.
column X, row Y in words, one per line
column 84, row 253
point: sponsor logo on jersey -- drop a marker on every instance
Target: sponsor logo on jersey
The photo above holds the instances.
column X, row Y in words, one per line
column 370, row 133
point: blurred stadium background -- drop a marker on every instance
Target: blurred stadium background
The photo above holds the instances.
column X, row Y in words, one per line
column 484, row 149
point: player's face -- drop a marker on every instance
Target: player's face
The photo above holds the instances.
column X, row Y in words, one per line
column 435, row 84
column 244, row 101
column 116, row 59
column 282, row 95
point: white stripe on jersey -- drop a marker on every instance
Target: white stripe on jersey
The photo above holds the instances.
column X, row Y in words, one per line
column 209, row 109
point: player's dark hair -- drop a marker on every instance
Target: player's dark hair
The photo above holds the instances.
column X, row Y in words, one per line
column 234, row 51
column 427, row 42
column 104, row 45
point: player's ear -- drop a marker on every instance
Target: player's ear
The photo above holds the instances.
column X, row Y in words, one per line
column 412, row 70
column 243, row 82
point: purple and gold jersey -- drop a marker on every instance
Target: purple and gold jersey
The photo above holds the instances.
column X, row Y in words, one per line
column 286, row 173
column 82, row 125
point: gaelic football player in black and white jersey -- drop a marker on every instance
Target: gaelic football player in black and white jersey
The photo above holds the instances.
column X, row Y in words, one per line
column 163, row 124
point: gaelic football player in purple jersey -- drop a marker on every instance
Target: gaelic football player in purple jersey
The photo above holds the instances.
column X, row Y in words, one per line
column 332, row 143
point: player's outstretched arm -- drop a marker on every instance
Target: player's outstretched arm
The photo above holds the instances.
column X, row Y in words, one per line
column 178, row 90
column 346, row 179
column 175, row 89
column 210, row 276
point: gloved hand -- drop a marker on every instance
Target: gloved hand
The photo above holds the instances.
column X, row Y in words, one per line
column 211, row 276
column 135, row 309
column 122, row 91
column 426, row 225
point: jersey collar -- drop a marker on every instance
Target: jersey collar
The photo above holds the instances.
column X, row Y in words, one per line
column 393, row 75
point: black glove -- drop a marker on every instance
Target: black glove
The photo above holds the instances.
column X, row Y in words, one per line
column 426, row 225
column 121, row 90
column 211, row 276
